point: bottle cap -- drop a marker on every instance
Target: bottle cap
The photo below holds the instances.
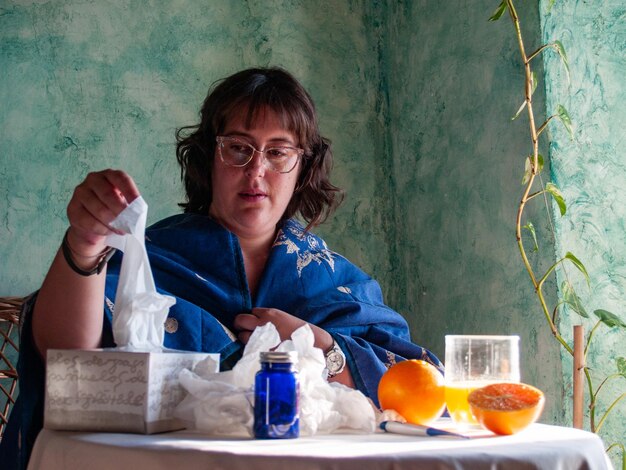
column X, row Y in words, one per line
column 279, row 356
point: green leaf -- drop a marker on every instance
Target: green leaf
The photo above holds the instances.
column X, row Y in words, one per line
column 579, row 265
column 621, row 366
column 531, row 228
column 558, row 197
column 498, row 12
column 563, row 116
column 519, row 111
column 528, row 167
column 560, row 50
column 570, row 297
column 609, row 319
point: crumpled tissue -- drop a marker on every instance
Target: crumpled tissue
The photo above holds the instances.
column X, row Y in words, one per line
column 222, row 403
column 140, row 311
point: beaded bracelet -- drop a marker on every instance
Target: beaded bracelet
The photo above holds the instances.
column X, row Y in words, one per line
column 102, row 261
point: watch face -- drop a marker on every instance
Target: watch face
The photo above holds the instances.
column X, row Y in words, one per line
column 334, row 361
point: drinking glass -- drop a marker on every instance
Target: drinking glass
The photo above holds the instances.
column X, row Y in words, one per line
column 473, row 361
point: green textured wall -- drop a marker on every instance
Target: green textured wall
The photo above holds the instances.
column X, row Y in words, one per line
column 415, row 95
column 456, row 173
column 591, row 171
column 87, row 85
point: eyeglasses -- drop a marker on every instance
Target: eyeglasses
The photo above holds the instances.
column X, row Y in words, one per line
column 237, row 153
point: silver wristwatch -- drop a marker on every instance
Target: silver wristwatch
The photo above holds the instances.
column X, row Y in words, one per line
column 335, row 360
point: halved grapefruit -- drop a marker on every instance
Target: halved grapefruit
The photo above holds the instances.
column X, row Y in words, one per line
column 506, row 408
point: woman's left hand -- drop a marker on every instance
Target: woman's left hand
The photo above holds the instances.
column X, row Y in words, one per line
column 285, row 323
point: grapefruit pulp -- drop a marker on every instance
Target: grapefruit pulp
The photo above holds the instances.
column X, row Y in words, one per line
column 506, row 408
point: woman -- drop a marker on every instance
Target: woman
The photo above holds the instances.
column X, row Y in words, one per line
column 235, row 259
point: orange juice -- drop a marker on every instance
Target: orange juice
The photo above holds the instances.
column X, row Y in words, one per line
column 456, row 401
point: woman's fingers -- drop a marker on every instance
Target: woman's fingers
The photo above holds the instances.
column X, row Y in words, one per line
column 88, row 212
column 286, row 324
column 107, row 193
column 123, row 185
column 96, row 202
column 246, row 322
column 244, row 336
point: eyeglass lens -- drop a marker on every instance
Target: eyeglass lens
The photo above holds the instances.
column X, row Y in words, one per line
column 237, row 153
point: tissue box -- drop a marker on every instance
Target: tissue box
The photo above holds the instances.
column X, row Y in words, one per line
column 114, row 390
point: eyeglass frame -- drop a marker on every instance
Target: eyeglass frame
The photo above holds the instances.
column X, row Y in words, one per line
column 220, row 142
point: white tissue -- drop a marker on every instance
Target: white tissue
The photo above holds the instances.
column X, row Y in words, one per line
column 222, row 403
column 140, row 311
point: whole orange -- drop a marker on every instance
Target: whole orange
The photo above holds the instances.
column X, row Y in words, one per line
column 506, row 408
column 414, row 389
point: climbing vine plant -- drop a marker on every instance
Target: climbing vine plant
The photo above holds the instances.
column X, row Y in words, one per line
column 533, row 190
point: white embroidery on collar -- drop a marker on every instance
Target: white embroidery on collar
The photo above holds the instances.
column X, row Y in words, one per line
column 314, row 251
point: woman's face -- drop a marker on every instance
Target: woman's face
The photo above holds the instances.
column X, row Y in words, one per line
column 249, row 201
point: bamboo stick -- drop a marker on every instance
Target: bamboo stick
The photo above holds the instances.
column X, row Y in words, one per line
column 579, row 364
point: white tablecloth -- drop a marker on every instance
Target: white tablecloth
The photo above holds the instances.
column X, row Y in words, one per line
column 538, row 447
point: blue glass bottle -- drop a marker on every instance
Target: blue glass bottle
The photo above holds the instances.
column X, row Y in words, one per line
column 276, row 390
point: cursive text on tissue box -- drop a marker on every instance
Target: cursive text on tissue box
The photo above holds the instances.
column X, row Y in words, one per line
column 115, row 390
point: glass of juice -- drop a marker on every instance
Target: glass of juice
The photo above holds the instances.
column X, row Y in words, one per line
column 473, row 361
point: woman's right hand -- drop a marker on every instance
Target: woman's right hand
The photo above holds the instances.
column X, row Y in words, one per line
column 96, row 202
column 68, row 309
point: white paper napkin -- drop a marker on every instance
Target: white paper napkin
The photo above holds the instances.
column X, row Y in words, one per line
column 140, row 311
column 222, row 403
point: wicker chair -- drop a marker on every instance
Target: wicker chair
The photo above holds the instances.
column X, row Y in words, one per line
column 10, row 308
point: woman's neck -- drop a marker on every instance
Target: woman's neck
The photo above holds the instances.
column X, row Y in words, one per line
column 255, row 249
column 255, row 252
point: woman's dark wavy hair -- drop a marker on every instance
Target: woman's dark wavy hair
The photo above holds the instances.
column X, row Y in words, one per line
column 253, row 91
